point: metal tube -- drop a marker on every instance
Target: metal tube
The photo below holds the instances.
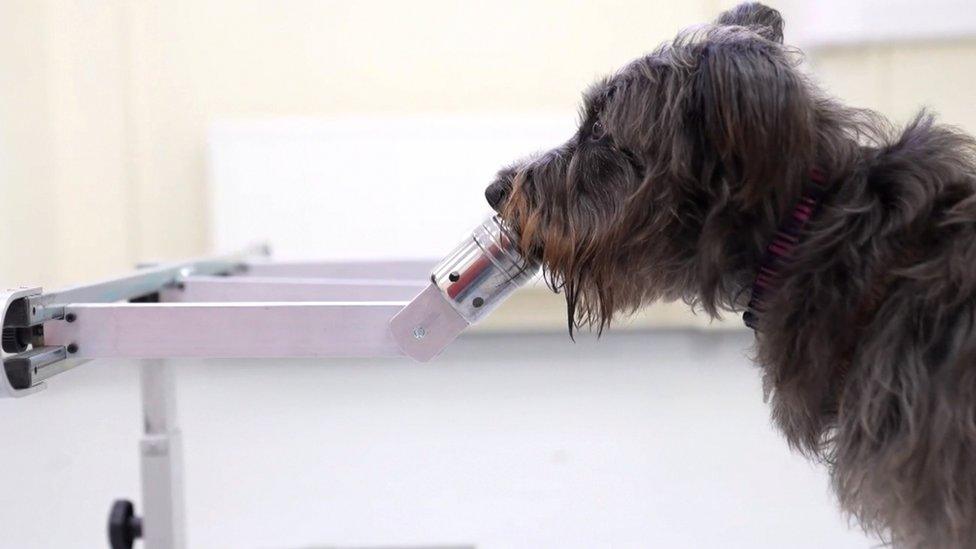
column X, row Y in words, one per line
column 161, row 459
column 389, row 270
column 222, row 289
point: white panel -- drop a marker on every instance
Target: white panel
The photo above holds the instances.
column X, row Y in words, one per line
column 407, row 187
column 634, row 441
column 823, row 23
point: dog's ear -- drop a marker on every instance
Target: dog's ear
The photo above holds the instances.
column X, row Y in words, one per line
column 761, row 19
column 755, row 113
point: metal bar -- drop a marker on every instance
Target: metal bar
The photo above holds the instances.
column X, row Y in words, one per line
column 30, row 368
column 49, row 306
column 161, row 459
column 389, row 270
column 427, row 325
column 227, row 330
column 223, row 288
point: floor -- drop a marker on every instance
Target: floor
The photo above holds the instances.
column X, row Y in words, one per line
column 642, row 439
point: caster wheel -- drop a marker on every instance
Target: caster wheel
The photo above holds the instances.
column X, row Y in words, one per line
column 124, row 527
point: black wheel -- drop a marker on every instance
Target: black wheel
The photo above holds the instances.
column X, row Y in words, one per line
column 124, row 527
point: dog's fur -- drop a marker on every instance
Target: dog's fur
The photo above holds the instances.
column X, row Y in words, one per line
column 684, row 165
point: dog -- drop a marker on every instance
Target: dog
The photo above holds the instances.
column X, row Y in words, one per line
column 715, row 171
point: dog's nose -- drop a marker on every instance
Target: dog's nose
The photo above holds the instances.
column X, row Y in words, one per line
column 497, row 192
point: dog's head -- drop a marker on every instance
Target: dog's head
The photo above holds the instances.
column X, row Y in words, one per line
column 682, row 162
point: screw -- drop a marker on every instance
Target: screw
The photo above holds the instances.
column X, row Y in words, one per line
column 419, row 333
column 477, row 302
column 72, row 348
column 454, row 276
column 70, row 317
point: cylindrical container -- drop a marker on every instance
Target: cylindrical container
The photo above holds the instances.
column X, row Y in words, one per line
column 483, row 270
column 469, row 283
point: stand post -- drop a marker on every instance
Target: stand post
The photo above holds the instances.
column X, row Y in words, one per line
column 161, row 456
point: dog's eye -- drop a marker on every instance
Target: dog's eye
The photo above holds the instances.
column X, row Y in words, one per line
column 597, row 131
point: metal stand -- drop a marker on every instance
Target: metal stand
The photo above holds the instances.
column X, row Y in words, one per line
column 161, row 468
column 238, row 306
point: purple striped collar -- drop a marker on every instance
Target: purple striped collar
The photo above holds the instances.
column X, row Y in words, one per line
column 781, row 248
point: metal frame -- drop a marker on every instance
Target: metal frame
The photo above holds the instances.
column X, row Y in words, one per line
column 237, row 306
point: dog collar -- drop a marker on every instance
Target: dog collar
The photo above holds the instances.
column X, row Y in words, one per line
column 781, row 248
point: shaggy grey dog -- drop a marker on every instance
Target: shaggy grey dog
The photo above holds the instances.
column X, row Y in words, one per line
column 690, row 161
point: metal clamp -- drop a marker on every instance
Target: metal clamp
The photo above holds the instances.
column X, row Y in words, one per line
column 21, row 352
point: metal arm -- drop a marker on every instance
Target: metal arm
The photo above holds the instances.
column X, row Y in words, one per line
column 235, row 306
column 242, row 306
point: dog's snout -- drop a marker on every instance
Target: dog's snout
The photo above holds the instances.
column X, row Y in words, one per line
column 497, row 192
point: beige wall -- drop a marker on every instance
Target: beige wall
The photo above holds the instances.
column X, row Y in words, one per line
column 103, row 126
column 104, row 104
column 26, row 174
column 64, row 190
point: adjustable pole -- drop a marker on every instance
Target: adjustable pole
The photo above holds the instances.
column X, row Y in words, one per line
column 161, row 457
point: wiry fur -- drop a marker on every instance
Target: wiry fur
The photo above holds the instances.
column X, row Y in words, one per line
column 685, row 163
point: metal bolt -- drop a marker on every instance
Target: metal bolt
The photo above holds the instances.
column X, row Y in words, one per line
column 478, row 302
column 454, row 276
column 72, row 348
column 70, row 317
column 419, row 333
